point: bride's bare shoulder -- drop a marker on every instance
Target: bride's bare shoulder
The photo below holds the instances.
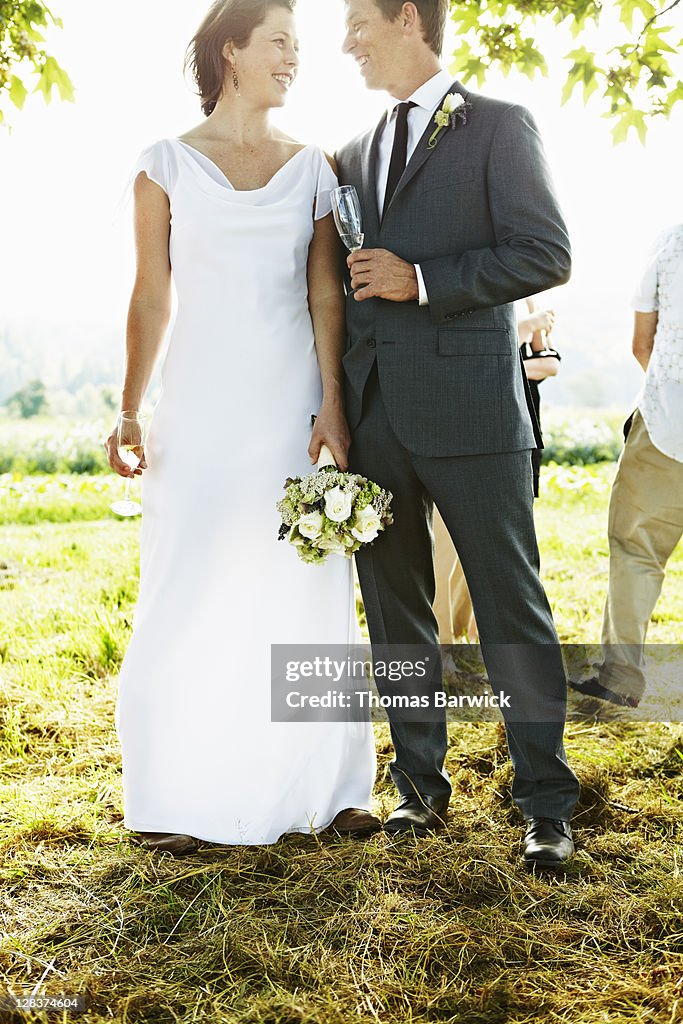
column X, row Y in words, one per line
column 297, row 146
column 293, row 146
column 193, row 134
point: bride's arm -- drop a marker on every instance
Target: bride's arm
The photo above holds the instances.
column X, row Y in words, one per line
column 149, row 310
column 326, row 303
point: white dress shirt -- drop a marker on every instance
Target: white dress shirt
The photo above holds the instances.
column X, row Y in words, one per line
column 427, row 100
column 661, row 291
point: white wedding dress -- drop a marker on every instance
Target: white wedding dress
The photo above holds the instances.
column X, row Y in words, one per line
column 239, row 384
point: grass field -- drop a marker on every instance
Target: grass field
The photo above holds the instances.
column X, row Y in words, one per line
column 316, row 930
column 50, row 444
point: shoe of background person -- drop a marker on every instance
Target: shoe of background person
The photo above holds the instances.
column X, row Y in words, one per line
column 592, row 687
column 548, row 843
column 418, row 814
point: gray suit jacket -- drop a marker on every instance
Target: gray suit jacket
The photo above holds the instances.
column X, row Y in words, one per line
column 479, row 214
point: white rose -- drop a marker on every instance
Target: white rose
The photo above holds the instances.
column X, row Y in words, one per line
column 331, row 544
column 452, row 102
column 311, row 525
column 338, row 505
column 367, row 526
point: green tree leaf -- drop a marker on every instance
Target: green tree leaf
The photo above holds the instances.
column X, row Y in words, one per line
column 65, row 86
column 639, row 80
column 24, row 63
column 17, row 92
column 48, row 78
column 629, row 8
column 630, row 118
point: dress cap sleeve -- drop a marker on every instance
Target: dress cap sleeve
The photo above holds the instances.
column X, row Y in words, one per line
column 326, row 180
column 158, row 164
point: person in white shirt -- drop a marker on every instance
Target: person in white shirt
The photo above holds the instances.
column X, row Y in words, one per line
column 646, row 504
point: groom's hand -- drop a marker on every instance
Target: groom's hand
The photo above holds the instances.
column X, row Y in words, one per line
column 379, row 274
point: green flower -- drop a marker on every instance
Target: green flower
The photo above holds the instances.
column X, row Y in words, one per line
column 453, row 109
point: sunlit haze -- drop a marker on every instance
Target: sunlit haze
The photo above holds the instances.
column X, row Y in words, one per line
column 67, row 254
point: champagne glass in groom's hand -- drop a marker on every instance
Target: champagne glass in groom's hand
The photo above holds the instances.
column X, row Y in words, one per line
column 348, row 216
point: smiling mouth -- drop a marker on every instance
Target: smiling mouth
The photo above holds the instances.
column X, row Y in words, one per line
column 284, row 80
column 362, row 61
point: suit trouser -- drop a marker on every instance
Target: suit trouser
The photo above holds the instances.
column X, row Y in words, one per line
column 645, row 524
column 486, row 502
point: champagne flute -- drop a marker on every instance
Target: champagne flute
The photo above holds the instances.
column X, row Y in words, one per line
column 131, row 437
column 348, row 216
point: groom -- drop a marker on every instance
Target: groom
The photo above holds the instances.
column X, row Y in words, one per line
column 457, row 227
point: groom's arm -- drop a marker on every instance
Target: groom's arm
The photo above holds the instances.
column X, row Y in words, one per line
column 532, row 251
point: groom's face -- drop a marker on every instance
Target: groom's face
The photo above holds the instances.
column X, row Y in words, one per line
column 373, row 41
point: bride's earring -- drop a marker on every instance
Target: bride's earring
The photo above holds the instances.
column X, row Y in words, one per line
column 236, row 81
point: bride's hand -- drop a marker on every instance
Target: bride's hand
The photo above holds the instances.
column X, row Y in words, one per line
column 112, row 448
column 331, row 429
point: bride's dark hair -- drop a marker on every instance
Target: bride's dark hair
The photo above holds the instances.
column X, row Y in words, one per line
column 226, row 19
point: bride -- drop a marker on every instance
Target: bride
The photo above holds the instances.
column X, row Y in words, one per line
column 237, row 216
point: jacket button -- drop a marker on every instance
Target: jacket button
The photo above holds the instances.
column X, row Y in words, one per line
column 371, row 343
column 450, row 316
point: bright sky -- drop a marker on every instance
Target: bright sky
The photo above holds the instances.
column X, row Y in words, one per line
column 64, row 167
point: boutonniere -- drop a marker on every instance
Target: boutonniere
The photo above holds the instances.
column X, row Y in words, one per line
column 454, row 109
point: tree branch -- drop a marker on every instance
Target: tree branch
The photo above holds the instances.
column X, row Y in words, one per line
column 652, row 20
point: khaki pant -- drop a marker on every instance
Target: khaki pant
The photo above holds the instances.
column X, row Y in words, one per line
column 645, row 525
column 452, row 605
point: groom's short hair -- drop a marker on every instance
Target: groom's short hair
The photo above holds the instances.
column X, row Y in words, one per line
column 433, row 14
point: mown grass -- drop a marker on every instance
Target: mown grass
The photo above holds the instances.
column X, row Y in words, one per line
column 447, row 928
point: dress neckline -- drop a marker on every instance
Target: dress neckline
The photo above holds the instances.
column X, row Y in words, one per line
column 225, row 177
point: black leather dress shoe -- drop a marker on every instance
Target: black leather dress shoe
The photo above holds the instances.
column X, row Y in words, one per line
column 418, row 814
column 548, row 843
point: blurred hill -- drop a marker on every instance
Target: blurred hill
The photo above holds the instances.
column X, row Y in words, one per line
column 79, row 363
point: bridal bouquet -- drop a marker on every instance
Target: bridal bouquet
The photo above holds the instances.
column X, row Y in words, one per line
column 328, row 512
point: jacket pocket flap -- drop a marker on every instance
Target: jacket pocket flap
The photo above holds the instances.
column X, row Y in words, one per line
column 476, row 341
column 458, row 177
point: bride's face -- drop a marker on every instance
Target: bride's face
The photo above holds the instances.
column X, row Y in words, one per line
column 268, row 65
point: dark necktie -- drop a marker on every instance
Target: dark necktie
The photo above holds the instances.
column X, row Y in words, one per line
column 399, row 151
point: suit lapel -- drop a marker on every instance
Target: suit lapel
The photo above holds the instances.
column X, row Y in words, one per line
column 422, row 150
column 368, row 163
